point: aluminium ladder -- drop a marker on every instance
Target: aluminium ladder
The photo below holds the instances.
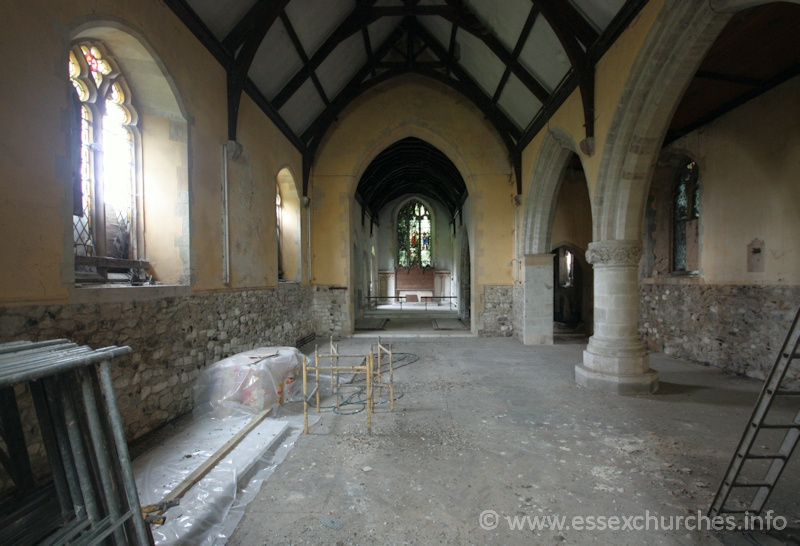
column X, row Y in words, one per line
column 734, row 481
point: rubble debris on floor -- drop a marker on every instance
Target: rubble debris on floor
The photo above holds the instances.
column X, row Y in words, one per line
column 494, row 442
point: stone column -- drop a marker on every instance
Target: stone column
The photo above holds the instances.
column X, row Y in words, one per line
column 537, row 313
column 615, row 359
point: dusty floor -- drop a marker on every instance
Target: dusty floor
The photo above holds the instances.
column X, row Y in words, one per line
column 492, row 427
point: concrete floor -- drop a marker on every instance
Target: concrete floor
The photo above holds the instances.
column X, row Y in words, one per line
column 493, row 425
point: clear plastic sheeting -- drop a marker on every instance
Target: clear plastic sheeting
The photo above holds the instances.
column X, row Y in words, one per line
column 229, row 395
column 251, row 381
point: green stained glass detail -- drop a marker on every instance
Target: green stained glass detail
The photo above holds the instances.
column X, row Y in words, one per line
column 414, row 235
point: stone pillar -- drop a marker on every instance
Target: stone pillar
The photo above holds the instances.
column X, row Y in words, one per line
column 615, row 359
column 537, row 314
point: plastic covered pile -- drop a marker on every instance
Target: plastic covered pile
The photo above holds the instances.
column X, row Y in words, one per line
column 251, row 381
column 228, row 395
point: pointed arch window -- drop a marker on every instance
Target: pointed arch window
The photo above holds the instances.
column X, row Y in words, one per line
column 105, row 188
column 685, row 218
column 414, row 235
column 279, row 230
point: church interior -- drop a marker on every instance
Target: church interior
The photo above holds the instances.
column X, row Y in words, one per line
column 600, row 194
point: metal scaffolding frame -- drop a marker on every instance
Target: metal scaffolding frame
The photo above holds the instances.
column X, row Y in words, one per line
column 90, row 496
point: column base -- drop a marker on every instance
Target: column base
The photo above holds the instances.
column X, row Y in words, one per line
column 644, row 383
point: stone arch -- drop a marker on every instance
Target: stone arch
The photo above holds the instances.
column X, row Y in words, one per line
column 540, row 203
column 163, row 194
column 674, row 48
column 583, row 285
column 156, row 90
column 290, row 244
column 615, row 358
column 540, row 206
column 417, row 131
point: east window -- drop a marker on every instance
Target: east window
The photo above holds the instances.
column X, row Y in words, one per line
column 414, row 235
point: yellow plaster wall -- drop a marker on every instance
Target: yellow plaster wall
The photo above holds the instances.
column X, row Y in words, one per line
column 413, row 106
column 35, row 169
column 161, row 181
column 492, row 231
column 330, row 230
column 572, row 220
column 251, row 193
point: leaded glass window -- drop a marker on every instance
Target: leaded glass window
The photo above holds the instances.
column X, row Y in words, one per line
column 414, row 235
column 685, row 209
column 105, row 196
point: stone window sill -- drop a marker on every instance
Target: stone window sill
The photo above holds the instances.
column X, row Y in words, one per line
column 674, row 278
column 113, row 292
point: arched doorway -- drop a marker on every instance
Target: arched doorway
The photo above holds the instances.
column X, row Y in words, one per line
column 571, row 233
column 410, row 197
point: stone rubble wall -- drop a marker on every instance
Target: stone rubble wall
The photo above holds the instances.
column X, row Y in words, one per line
column 330, row 311
column 173, row 340
column 498, row 311
column 739, row 328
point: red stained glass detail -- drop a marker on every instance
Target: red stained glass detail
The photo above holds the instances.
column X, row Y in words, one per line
column 91, row 60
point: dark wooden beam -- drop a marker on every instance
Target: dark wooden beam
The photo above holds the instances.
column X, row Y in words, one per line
column 368, row 50
column 193, row 22
column 467, row 86
column 618, row 24
column 582, row 66
column 391, row 65
column 466, row 20
column 732, row 104
column 548, row 109
column 516, row 162
column 301, row 52
column 312, row 133
column 412, row 11
column 729, row 78
column 451, row 50
column 261, row 101
column 361, row 16
column 581, row 28
column 308, row 162
column 263, row 13
column 523, row 37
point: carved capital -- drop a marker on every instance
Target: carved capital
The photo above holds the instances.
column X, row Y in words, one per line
column 614, row 253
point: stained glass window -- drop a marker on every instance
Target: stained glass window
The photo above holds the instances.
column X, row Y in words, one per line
column 414, row 235
column 107, row 155
column 685, row 208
